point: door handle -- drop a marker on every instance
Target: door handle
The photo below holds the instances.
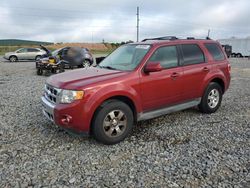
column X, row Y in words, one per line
column 205, row 69
column 174, row 75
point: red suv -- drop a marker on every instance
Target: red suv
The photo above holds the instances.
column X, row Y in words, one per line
column 138, row 81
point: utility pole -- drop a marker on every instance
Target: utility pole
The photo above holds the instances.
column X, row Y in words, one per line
column 208, row 33
column 137, row 26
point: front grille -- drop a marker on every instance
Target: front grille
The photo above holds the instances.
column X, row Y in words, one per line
column 51, row 93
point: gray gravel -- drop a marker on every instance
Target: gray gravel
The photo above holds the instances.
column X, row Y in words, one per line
column 184, row 149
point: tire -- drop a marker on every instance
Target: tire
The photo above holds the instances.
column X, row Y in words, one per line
column 53, row 71
column 86, row 63
column 113, row 122
column 13, row 59
column 61, row 68
column 38, row 58
column 211, row 99
column 239, row 55
column 39, row 72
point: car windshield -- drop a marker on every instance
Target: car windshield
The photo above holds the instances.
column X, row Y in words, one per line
column 125, row 58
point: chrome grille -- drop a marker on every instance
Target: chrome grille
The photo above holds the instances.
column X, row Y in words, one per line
column 51, row 93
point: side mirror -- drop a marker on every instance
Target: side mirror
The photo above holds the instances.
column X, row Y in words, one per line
column 153, row 67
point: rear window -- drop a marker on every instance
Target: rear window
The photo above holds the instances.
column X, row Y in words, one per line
column 192, row 54
column 215, row 51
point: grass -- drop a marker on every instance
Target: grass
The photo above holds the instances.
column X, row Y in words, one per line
column 5, row 49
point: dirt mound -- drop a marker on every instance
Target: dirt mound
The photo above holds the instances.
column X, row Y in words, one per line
column 91, row 46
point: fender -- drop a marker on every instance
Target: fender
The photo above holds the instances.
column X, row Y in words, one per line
column 101, row 94
column 210, row 77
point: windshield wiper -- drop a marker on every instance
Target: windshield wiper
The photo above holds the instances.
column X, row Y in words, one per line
column 108, row 67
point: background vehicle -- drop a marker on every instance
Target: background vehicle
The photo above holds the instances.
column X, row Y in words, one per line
column 82, row 56
column 240, row 47
column 136, row 82
column 227, row 49
column 25, row 54
column 65, row 57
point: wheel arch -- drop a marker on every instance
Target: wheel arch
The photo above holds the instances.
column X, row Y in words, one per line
column 220, row 82
column 123, row 98
column 13, row 56
column 217, row 80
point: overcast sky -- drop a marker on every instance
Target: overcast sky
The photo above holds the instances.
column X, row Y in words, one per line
column 115, row 20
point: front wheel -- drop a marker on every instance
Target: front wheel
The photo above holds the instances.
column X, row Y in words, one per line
column 211, row 99
column 13, row 59
column 113, row 122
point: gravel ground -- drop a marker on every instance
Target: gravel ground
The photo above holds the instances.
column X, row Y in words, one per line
column 184, row 149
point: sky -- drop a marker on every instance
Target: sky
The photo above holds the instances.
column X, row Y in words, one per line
column 115, row 20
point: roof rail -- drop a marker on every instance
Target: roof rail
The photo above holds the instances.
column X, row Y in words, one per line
column 173, row 38
column 161, row 38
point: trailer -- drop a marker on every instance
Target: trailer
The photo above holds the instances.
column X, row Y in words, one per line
column 240, row 47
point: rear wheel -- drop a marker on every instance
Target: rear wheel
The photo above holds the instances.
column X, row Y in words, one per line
column 13, row 59
column 38, row 58
column 85, row 64
column 113, row 122
column 211, row 99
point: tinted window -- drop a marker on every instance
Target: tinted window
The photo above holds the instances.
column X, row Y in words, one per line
column 167, row 56
column 32, row 50
column 192, row 54
column 215, row 51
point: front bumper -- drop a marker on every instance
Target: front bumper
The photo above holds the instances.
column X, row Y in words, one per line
column 5, row 57
column 48, row 109
column 58, row 114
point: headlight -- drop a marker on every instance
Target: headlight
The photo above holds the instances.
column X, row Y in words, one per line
column 68, row 96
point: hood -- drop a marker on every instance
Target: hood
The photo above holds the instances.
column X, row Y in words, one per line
column 9, row 53
column 77, row 79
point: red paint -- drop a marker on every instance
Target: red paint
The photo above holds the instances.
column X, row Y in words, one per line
column 148, row 91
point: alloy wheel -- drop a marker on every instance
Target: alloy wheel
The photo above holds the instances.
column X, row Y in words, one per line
column 213, row 98
column 115, row 123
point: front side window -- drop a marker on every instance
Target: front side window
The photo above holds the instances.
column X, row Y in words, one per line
column 215, row 51
column 125, row 58
column 167, row 56
column 192, row 54
column 23, row 50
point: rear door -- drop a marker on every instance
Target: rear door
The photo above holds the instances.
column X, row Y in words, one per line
column 195, row 69
column 32, row 53
column 163, row 88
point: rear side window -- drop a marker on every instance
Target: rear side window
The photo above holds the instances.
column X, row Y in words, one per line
column 32, row 50
column 167, row 56
column 192, row 54
column 215, row 51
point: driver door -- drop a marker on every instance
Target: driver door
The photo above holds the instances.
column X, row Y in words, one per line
column 22, row 54
column 163, row 88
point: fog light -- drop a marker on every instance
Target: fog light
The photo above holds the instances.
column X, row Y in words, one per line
column 66, row 119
